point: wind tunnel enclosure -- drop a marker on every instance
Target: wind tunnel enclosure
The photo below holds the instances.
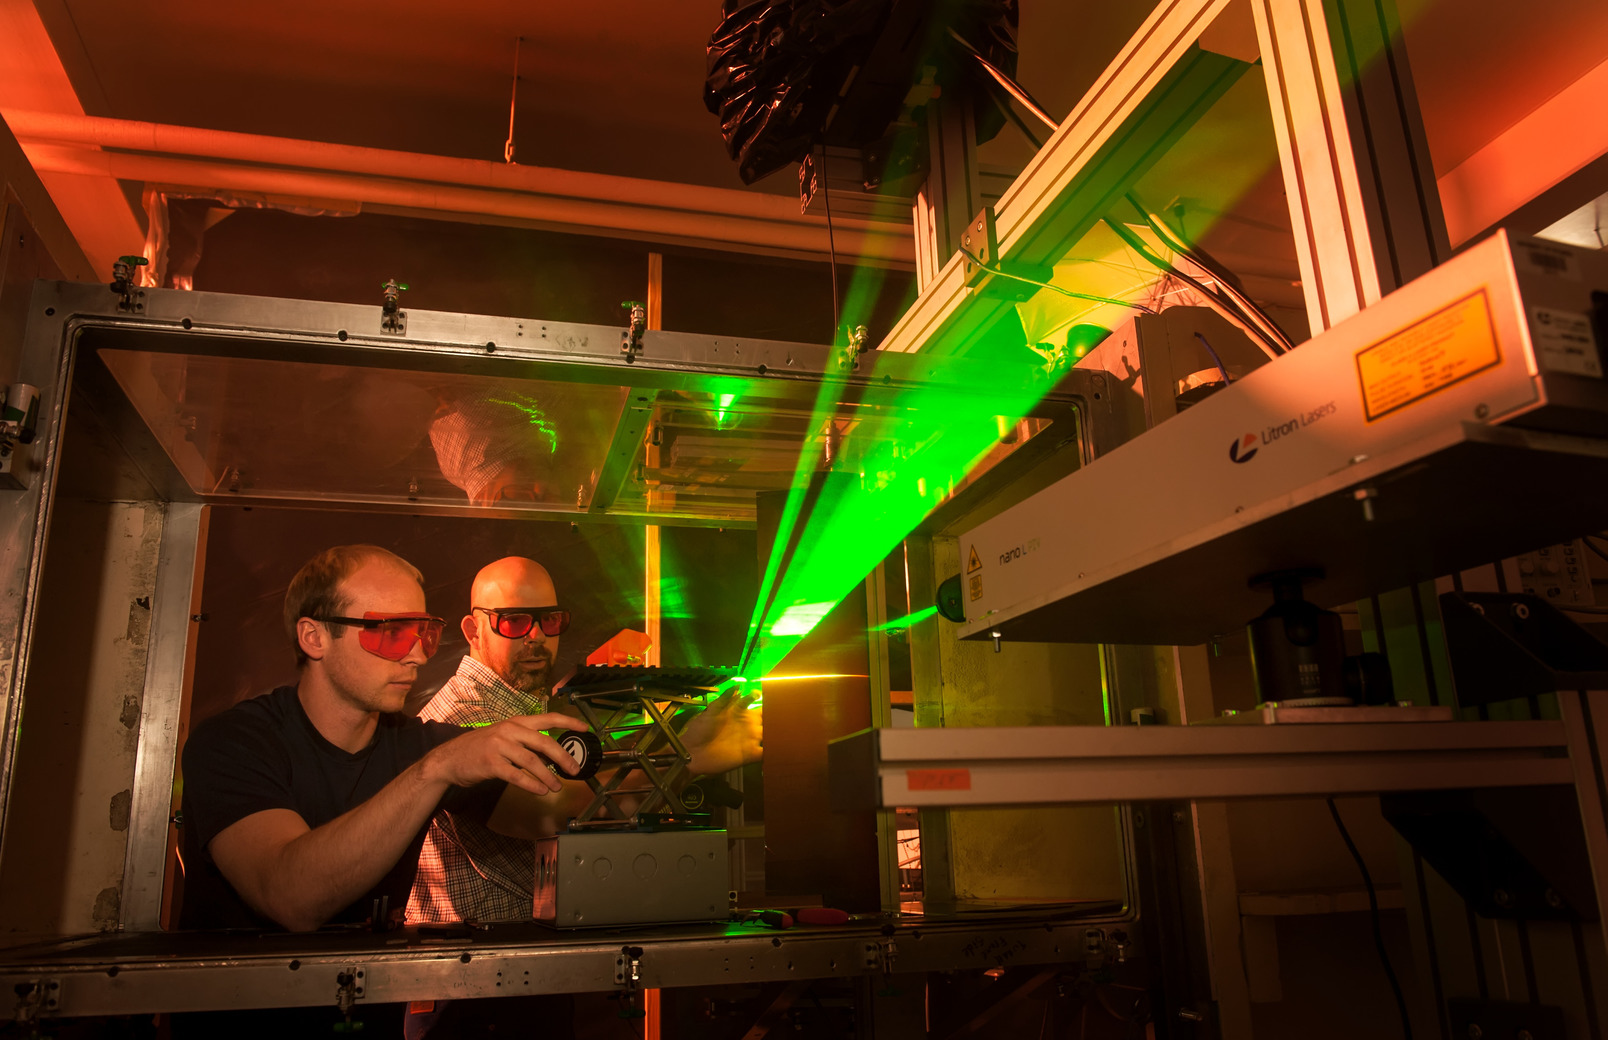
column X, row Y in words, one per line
column 1081, row 802
column 198, row 447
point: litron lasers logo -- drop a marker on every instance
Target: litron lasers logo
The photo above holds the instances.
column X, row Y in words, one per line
column 1242, row 450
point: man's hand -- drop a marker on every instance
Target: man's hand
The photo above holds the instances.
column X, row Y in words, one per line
column 515, row 750
column 729, row 733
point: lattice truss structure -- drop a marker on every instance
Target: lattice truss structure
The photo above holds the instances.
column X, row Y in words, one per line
column 638, row 715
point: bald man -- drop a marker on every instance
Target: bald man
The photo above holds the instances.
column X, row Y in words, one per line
column 468, row 871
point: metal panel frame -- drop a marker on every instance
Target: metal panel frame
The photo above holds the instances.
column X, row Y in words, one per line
column 766, row 371
column 628, row 434
column 167, row 671
column 25, row 523
column 207, row 971
column 350, row 334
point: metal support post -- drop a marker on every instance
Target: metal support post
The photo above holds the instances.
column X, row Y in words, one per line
column 1357, row 171
column 1585, row 721
column 876, row 603
column 952, row 194
column 164, row 712
column 24, row 522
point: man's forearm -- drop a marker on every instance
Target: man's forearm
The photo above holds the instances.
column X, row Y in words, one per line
column 315, row 874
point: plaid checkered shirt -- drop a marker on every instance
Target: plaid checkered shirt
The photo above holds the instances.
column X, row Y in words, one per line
column 468, row 872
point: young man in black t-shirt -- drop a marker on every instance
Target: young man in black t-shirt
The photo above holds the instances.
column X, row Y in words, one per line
column 304, row 805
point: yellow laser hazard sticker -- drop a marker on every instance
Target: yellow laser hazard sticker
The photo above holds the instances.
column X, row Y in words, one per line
column 1427, row 356
column 974, row 564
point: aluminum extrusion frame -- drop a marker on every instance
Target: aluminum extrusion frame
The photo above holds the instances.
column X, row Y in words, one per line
column 1065, row 765
column 214, row 971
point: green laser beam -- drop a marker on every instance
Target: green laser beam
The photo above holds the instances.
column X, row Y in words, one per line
column 908, row 621
column 896, row 464
column 892, row 468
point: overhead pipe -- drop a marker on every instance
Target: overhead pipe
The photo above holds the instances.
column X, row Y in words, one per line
column 633, row 206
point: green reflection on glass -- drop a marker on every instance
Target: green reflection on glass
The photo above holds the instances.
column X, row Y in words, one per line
column 532, row 411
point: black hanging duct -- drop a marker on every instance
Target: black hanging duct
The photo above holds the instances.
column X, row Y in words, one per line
column 785, row 76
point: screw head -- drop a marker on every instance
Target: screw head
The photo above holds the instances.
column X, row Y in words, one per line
column 1501, row 897
column 1521, row 611
column 1474, row 1031
column 1481, row 411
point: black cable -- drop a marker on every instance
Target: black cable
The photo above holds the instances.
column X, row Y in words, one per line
column 831, row 245
column 1011, row 87
column 1220, row 367
column 1373, row 911
column 1213, row 299
column 1243, row 303
column 1056, row 288
column 1002, row 99
column 1220, row 301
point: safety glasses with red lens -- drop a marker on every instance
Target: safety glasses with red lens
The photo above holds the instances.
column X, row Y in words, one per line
column 393, row 636
column 516, row 622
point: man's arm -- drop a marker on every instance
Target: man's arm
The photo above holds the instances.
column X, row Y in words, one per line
column 299, row 876
column 530, row 815
column 727, row 735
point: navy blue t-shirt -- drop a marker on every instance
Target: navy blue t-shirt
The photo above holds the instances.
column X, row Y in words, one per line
column 265, row 753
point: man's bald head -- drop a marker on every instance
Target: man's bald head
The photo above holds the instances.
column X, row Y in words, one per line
column 525, row 663
column 513, row 581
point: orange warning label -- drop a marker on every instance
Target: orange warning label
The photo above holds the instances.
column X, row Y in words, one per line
column 939, row 779
column 1447, row 347
column 974, row 564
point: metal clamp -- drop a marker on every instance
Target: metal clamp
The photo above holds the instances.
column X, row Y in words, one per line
column 849, row 354
column 348, row 988
column 880, row 955
column 392, row 317
column 36, row 997
column 987, row 273
column 19, row 418
column 628, row 967
column 631, row 338
column 1094, row 948
column 124, row 283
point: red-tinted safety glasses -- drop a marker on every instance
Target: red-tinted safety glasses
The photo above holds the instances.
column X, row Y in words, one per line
column 516, row 622
column 392, row 636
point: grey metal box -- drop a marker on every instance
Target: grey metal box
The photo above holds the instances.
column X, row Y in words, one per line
column 590, row 878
